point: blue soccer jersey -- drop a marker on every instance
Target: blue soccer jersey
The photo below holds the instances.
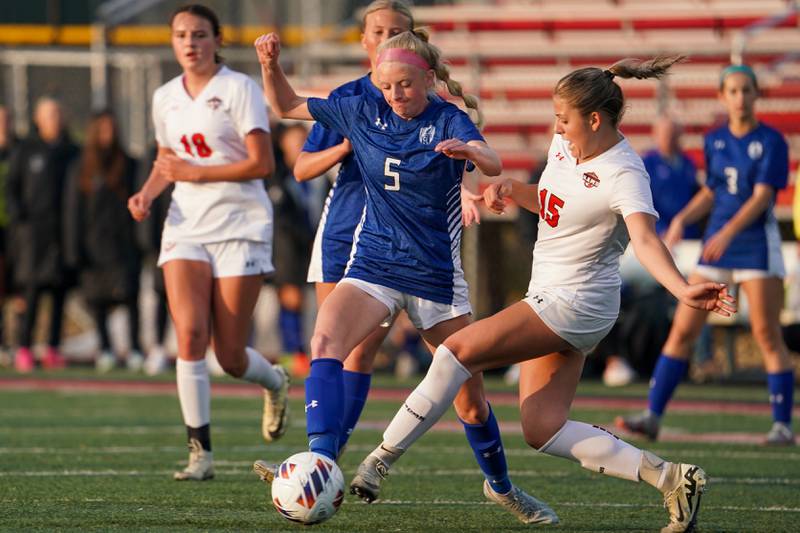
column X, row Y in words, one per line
column 734, row 167
column 410, row 235
column 673, row 182
column 345, row 203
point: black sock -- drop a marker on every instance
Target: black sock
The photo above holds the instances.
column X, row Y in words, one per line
column 202, row 434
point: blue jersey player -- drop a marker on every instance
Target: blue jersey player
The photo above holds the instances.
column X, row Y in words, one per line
column 747, row 163
column 411, row 149
column 323, row 149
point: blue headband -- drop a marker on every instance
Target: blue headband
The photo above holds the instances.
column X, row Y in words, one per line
column 741, row 69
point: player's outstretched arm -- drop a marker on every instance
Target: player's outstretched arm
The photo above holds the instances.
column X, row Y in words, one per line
column 281, row 96
column 486, row 159
column 310, row 165
column 524, row 195
column 655, row 257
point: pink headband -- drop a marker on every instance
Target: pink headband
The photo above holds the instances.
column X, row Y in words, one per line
column 403, row 56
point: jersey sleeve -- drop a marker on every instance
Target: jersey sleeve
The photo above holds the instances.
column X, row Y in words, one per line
column 159, row 125
column 461, row 127
column 710, row 175
column 631, row 193
column 321, row 138
column 335, row 113
column 249, row 109
column 775, row 168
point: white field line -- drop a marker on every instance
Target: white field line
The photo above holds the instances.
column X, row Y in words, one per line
column 238, row 468
column 273, row 449
column 444, row 503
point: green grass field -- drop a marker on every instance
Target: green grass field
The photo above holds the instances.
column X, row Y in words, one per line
column 88, row 460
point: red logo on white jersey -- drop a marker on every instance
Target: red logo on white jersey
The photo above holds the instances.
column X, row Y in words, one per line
column 590, row 180
column 214, row 103
column 560, row 156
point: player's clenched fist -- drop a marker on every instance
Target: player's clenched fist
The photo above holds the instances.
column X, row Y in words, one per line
column 494, row 196
column 268, row 48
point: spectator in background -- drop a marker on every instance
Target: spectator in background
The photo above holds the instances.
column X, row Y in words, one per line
column 149, row 238
column 36, row 183
column 108, row 256
column 673, row 176
column 7, row 141
column 292, row 240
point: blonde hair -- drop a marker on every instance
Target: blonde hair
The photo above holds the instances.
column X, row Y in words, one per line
column 398, row 6
column 593, row 89
column 417, row 41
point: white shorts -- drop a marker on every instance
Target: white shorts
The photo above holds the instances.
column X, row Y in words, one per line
column 581, row 330
column 733, row 276
column 232, row 258
column 424, row 314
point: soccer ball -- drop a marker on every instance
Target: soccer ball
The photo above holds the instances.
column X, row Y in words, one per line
column 308, row 488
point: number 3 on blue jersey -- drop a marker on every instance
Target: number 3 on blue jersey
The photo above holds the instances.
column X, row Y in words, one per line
column 732, row 177
column 389, row 173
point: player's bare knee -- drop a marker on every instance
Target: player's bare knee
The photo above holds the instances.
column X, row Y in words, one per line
column 192, row 339
column 324, row 345
column 538, row 430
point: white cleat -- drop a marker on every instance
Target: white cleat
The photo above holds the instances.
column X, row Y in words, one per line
column 683, row 501
column 275, row 419
column 528, row 509
column 200, row 465
column 266, row 471
column 156, row 362
column 105, row 363
column 135, row 361
column 779, row 435
column 366, row 483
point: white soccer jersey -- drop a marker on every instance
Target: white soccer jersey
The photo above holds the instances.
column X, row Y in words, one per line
column 581, row 228
column 210, row 130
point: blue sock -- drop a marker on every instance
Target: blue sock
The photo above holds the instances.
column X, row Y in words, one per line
column 324, row 402
column 781, row 395
column 291, row 326
column 356, row 389
column 667, row 375
column 488, row 449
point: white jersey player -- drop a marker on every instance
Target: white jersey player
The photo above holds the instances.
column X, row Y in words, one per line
column 594, row 193
column 213, row 143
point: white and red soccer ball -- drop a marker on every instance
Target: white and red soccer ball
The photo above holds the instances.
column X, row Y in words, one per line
column 308, row 488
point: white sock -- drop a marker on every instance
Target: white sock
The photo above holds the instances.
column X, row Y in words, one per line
column 194, row 392
column 595, row 449
column 261, row 371
column 428, row 402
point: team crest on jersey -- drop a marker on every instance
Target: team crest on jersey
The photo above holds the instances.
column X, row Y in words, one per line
column 214, row 103
column 719, row 144
column 755, row 149
column 381, row 124
column 590, row 180
column 426, row 134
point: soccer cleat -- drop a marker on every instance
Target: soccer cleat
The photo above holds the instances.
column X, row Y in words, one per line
column 276, row 409
column 135, row 361
column 200, row 465
column 645, row 424
column 53, row 360
column 105, row 363
column 156, row 361
column 23, row 361
column 528, row 509
column 367, row 482
column 780, row 435
column 266, row 471
column 683, row 501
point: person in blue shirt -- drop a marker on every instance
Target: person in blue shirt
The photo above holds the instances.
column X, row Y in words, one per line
column 673, row 176
column 411, row 149
column 747, row 162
